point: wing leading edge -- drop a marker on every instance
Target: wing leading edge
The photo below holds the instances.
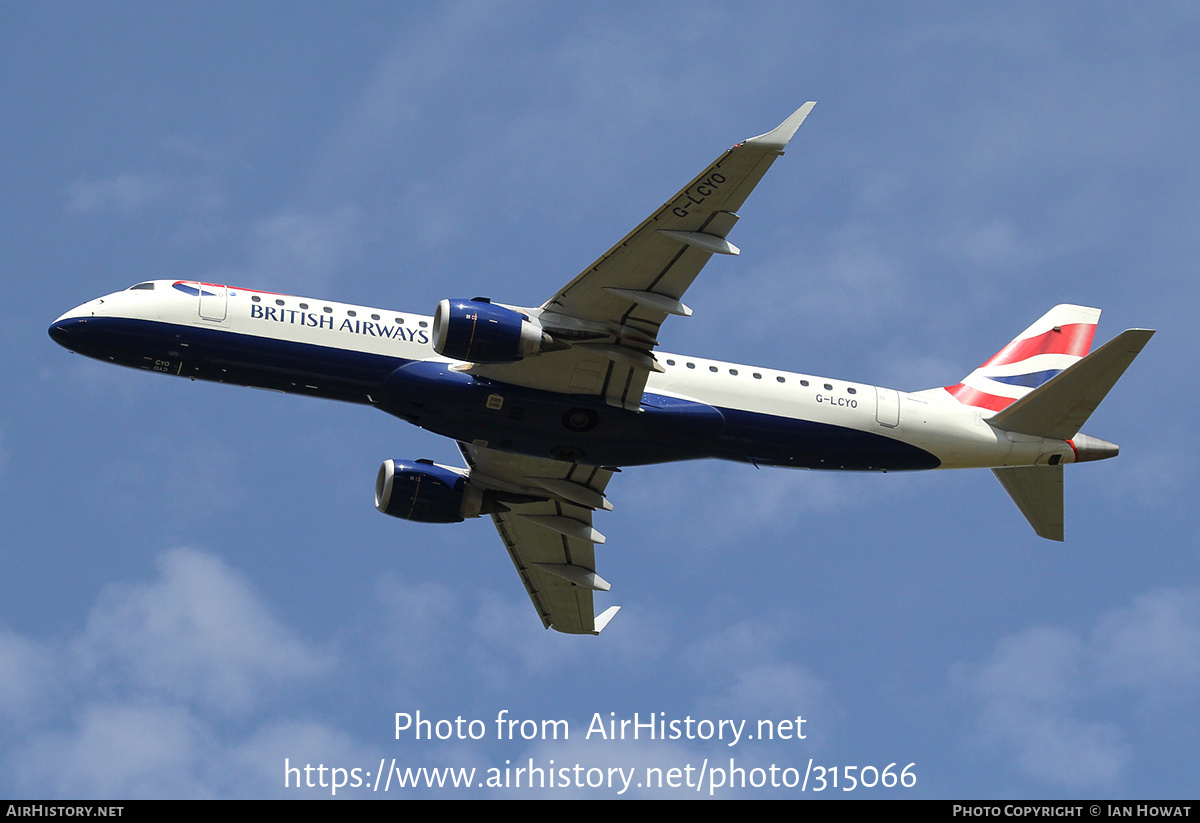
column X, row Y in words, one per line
column 611, row 312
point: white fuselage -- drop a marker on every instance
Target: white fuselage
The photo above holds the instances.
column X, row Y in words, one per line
column 345, row 351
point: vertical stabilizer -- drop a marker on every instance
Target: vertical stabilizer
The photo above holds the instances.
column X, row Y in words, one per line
column 1058, row 340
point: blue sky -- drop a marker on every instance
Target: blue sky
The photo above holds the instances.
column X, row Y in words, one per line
column 194, row 585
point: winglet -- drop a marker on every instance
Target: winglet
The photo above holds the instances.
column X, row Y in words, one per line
column 602, row 619
column 777, row 139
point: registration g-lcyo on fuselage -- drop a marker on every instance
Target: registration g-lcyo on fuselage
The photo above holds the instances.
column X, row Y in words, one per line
column 545, row 403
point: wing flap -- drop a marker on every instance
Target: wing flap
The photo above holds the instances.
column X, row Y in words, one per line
column 546, row 526
column 546, row 562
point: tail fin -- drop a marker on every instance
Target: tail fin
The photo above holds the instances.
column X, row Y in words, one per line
column 1056, row 409
column 1059, row 339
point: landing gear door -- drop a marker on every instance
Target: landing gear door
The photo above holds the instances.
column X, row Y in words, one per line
column 887, row 409
column 213, row 301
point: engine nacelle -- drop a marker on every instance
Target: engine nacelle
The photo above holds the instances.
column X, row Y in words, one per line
column 482, row 332
column 422, row 491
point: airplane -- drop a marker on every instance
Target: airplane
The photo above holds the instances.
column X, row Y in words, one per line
column 546, row 403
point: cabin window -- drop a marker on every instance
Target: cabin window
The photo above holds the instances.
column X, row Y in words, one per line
column 374, row 316
column 256, row 298
column 304, row 306
column 352, row 313
column 828, row 387
column 779, row 380
column 852, row 390
column 733, row 372
column 691, row 365
column 400, row 320
column 278, row 302
column 757, row 376
column 423, row 324
column 712, row 368
column 328, row 310
column 670, row 362
column 803, row 382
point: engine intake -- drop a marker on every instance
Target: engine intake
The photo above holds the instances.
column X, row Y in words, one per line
column 482, row 332
column 421, row 491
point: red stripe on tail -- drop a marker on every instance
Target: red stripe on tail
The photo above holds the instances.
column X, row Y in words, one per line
column 974, row 397
column 1074, row 338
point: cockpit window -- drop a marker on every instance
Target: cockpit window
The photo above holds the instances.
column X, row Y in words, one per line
column 147, row 286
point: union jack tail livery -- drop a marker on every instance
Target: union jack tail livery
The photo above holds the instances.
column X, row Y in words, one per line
column 1059, row 339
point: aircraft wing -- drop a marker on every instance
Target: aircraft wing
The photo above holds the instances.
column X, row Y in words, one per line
column 546, row 526
column 614, row 308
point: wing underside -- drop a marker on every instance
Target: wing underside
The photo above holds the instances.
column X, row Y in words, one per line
column 545, row 521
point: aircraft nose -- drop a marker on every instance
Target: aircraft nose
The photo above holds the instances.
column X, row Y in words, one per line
column 68, row 331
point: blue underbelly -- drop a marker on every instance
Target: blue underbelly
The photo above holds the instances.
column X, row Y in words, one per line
column 500, row 415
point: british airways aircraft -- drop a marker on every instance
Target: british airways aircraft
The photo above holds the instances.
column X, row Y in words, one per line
column 545, row 403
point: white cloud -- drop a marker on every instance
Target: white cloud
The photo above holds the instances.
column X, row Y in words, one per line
column 757, row 681
column 1159, row 474
column 139, row 704
column 773, row 690
column 996, row 244
column 754, row 502
column 133, row 192
column 303, row 250
column 1027, row 691
column 799, row 299
column 1067, row 752
column 1154, row 645
column 416, row 609
column 25, row 669
column 263, row 762
column 1039, row 666
column 198, row 633
column 1034, row 693
column 121, row 750
column 123, row 192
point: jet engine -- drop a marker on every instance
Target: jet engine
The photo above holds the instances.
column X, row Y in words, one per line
column 481, row 332
column 424, row 491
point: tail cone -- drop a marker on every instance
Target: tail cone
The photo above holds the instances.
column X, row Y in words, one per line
column 1093, row 448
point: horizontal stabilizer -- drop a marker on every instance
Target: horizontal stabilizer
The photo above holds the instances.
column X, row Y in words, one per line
column 1038, row 493
column 1059, row 407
